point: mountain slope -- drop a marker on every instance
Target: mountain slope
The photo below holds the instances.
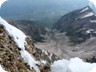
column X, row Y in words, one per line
column 18, row 50
column 15, row 44
column 77, row 23
column 14, row 58
column 30, row 28
column 73, row 36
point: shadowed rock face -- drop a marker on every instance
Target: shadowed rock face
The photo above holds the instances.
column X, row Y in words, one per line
column 76, row 23
column 11, row 60
column 92, row 60
column 72, row 17
column 30, row 28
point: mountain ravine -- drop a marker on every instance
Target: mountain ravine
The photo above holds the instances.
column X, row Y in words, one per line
column 74, row 35
column 31, row 28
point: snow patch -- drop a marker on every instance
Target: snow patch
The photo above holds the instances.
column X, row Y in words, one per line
column 19, row 37
column 29, row 60
column 43, row 61
column 2, row 70
column 93, row 21
column 94, row 32
column 72, row 65
column 50, row 57
column 84, row 10
column 88, row 15
column 16, row 34
column 89, row 31
column 46, row 52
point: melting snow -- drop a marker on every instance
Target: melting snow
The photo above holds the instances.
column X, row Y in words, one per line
column 50, row 56
column 73, row 65
column 16, row 34
column 29, row 60
column 46, row 52
column 43, row 61
column 89, row 31
column 19, row 37
column 88, row 15
column 84, row 9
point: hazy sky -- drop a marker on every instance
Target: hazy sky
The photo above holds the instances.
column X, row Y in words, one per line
column 45, row 3
column 34, row 2
column 45, row 11
column 35, row 8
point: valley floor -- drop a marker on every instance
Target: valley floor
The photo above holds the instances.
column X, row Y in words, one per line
column 59, row 44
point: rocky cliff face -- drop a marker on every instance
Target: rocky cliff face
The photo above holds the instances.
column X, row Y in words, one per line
column 11, row 60
column 30, row 28
column 78, row 25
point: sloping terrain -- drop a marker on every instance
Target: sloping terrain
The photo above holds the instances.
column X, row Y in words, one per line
column 61, row 46
column 30, row 28
column 78, row 25
column 11, row 60
column 74, row 35
column 11, row 55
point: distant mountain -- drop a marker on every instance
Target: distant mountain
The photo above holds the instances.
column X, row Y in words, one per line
column 30, row 28
column 46, row 12
column 79, row 25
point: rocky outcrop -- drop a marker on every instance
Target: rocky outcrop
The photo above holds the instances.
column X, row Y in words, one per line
column 92, row 60
column 11, row 60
